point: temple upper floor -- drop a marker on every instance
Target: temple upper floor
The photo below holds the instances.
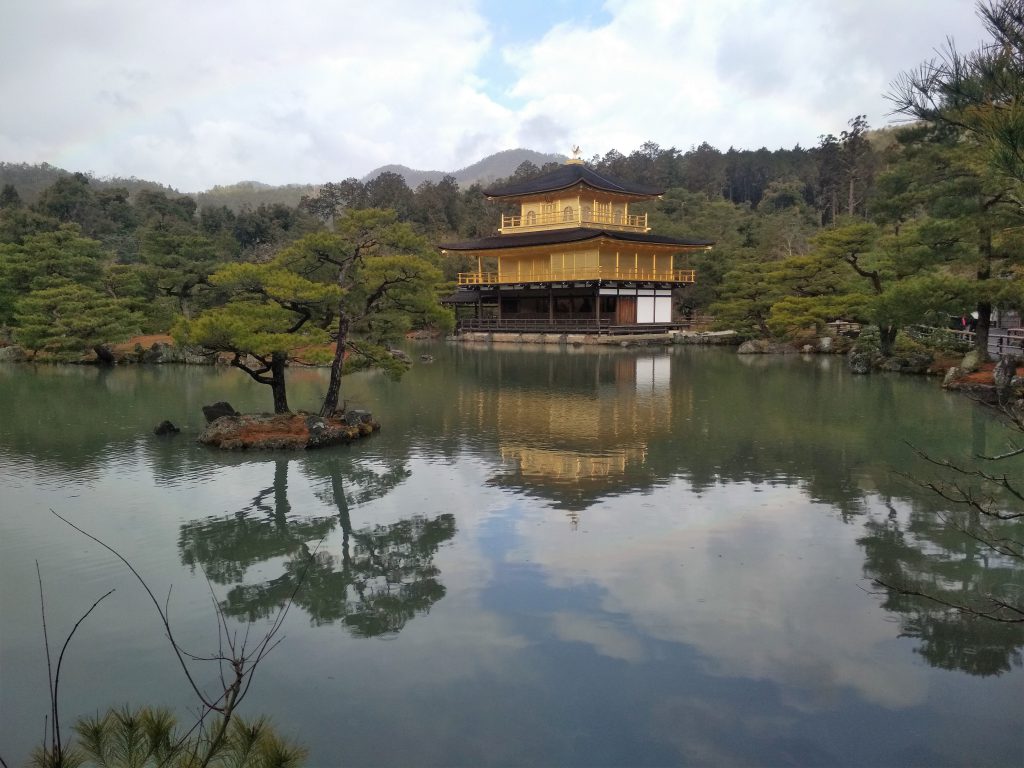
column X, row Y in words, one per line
column 574, row 208
column 571, row 196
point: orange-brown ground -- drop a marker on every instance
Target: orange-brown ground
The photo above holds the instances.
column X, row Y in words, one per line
column 984, row 375
column 145, row 342
column 284, row 431
column 283, row 428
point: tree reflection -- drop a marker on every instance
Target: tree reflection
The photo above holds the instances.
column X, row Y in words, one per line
column 226, row 547
column 930, row 554
column 382, row 577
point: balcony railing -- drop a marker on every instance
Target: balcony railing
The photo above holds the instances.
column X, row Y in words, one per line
column 575, row 218
column 579, row 274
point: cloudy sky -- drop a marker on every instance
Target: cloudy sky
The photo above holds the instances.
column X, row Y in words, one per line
column 195, row 93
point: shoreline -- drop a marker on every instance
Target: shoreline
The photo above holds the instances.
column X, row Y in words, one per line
column 663, row 338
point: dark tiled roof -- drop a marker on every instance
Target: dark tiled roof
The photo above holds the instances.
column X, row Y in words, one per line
column 575, row 235
column 461, row 297
column 566, row 176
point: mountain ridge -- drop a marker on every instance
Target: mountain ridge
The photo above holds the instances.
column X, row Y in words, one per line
column 31, row 179
column 496, row 166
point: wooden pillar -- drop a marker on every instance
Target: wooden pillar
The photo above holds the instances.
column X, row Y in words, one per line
column 551, row 304
column 597, row 307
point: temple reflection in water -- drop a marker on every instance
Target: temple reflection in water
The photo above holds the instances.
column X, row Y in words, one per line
column 576, row 449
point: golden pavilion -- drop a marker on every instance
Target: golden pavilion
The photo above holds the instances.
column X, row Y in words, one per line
column 573, row 259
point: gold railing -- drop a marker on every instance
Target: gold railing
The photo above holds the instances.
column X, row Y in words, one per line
column 578, row 274
column 575, row 218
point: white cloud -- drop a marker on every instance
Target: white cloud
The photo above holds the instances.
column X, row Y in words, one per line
column 733, row 72
column 692, row 570
column 195, row 93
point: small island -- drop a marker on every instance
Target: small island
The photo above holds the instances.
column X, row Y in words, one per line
column 229, row 430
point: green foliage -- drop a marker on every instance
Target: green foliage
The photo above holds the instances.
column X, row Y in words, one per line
column 270, row 310
column 906, row 345
column 151, row 738
column 869, row 339
column 978, row 93
column 746, row 301
column 178, row 260
column 66, row 319
column 939, row 340
column 9, row 197
column 48, row 256
column 793, row 314
column 386, row 274
column 134, row 283
column 918, row 299
column 18, row 223
column 251, row 195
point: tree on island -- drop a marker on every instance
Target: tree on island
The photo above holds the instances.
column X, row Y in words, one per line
column 385, row 282
column 271, row 312
column 360, row 287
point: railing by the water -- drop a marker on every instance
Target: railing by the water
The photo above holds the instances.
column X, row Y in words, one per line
column 563, row 325
column 1001, row 341
column 578, row 274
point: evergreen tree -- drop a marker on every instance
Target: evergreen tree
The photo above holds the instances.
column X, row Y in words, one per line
column 271, row 312
column 65, row 319
column 386, row 280
column 9, row 197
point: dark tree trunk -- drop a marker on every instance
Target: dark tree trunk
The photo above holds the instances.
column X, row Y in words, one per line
column 981, row 329
column 277, row 385
column 103, row 355
column 334, row 386
column 984, row 306
column 282, row 509
column 341, row 502
column 886, row 339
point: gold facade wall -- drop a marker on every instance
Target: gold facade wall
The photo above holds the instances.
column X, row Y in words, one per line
column 524, row 266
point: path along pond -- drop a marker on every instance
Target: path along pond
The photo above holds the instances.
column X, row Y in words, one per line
column 546, row 557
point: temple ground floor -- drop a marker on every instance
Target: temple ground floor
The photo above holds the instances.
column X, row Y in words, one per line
column 593, row 308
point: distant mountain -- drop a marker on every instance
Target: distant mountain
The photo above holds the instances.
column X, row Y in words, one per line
column 496, row 166
column 31, row 180
column 251, row 194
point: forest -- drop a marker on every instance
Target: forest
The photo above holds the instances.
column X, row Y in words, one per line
column 889, row 228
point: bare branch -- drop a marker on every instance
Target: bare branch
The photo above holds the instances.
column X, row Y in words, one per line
column 995, row 614
column 152, row 597
column 49, row 671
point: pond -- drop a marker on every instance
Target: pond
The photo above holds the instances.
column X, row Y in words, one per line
column 546, row 557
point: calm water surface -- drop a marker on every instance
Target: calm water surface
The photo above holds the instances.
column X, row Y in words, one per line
column 546, row 557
